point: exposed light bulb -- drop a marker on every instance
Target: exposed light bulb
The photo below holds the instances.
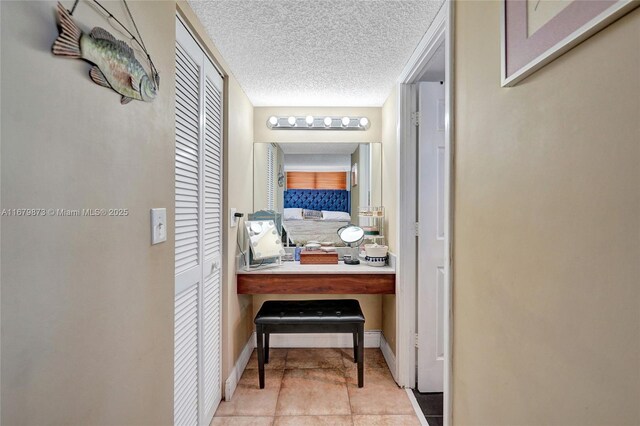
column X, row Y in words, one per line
column 309, row 120
column 327, row 121
column 364, row 121
column 292, row 121
column 345, row 121
column 273, row 121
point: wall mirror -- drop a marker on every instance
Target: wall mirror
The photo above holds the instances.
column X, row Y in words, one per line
column 316, row 187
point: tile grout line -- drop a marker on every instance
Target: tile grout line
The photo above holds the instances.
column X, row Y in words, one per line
column 284, row 369
column 346, row 379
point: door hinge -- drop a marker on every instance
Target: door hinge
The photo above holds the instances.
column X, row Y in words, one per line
column 415, row 118
column 417, row 229
column 416, row 342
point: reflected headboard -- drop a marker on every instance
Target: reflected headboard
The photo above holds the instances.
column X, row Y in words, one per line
column 318, row 199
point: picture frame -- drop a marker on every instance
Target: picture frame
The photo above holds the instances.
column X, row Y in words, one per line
column 536, row 32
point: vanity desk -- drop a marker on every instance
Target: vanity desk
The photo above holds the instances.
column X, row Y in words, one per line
column 317, row 190
column 294, row 278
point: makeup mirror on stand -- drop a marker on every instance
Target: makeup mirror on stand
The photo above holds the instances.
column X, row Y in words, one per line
column 264, row 242
column 352, row 236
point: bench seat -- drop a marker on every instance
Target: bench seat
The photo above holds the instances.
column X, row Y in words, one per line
column 310, row 316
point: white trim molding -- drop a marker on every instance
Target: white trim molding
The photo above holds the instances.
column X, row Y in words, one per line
column 449, row 153
column 439, row 33
column 389, row 357
column 416, row 407
column 406, row 268
column 406, row 287
column 319, row 340
column 236, row 372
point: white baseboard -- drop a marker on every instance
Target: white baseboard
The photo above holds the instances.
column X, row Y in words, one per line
column 237, row 370
column 416, row 407
column 320, row 340
column 388, row 356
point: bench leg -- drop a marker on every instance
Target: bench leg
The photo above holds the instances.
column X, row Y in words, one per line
column 360, row 355
column 355, row 345
column 266, row 348
column 259, row 336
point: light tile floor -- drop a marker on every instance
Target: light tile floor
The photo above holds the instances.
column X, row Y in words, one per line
column 317, row 387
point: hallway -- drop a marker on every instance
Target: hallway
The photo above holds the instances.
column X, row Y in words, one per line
column 317, row 387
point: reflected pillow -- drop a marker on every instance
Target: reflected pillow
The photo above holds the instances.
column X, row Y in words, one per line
column 292, row 214
column 312, row 214
column 336, row 216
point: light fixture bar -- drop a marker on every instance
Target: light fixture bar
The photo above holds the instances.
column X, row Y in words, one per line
column 318, row 122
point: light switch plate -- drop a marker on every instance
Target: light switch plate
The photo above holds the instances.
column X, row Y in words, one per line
column 158, row 226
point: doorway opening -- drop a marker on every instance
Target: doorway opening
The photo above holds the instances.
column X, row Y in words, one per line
column 425, row 130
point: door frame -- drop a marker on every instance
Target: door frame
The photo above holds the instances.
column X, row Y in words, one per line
column 440, row 31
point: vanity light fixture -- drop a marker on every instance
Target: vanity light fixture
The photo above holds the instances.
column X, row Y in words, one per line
column 317, row 123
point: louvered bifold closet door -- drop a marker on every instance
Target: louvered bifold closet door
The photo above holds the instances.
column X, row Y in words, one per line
column 212, row 240
column 187, row 239
column 198, row 218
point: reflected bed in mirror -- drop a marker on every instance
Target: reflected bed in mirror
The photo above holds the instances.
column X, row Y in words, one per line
column 317, row 187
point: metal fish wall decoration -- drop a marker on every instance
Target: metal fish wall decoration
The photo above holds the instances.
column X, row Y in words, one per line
column 114, row 63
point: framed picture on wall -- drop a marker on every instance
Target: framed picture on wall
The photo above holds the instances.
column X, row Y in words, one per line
column 535, row 32
column 354, row 174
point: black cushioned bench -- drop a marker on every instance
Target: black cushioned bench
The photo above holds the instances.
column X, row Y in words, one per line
column 310, row 316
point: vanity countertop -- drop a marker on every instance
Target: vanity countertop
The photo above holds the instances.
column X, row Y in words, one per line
column 340, row 268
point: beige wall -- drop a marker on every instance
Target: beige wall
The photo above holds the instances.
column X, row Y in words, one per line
column 260, row 193
column 263, row 134
column 389, row 167
column 390, row 201
column 87, row 307
column 546, row 295
column 87, row 302
column 237, row 317
column 239, row 194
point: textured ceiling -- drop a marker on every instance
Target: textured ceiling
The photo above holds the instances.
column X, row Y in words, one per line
column 319, row 148
column 316, row 53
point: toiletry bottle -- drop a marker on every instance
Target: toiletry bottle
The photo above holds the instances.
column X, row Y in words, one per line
column 297, row 252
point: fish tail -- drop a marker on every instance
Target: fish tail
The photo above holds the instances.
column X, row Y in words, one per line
column 68, row 42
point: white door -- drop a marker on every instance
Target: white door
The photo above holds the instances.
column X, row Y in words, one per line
column 431, row 186
column 198, row 229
